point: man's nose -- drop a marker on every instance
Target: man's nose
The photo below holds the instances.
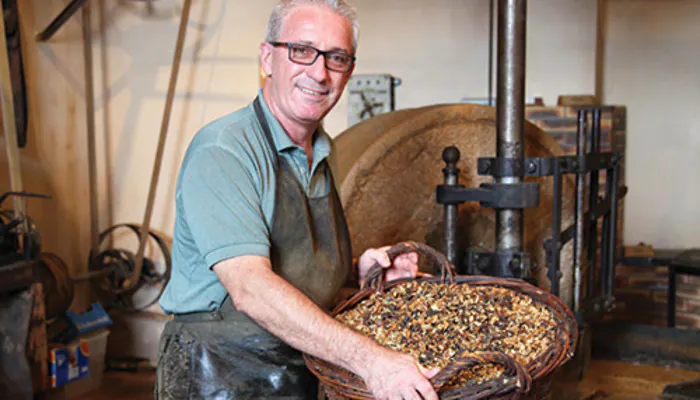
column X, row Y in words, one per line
column 318, row 70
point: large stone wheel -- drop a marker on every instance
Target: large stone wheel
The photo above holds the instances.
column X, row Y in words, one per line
column 389, row 166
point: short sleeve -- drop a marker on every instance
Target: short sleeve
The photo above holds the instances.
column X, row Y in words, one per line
column 222, row 205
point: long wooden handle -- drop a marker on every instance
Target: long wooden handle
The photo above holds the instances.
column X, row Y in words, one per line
column 90, row 125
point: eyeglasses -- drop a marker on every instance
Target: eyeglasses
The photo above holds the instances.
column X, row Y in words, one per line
column 335, row 60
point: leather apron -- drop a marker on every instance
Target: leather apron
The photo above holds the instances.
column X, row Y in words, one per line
column 224, row 354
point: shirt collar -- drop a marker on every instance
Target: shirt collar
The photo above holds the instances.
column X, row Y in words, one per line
column 321, row 140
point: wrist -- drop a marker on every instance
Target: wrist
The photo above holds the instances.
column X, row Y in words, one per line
column 360, row 353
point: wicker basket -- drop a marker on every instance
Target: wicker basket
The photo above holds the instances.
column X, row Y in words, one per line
column 519, row 381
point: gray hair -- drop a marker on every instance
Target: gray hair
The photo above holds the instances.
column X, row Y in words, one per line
column 284, row 7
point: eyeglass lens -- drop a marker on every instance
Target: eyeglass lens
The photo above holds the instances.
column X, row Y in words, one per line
column 335, row 60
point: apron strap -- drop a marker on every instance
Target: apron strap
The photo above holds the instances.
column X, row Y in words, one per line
column 265, row 126
column 268, row 135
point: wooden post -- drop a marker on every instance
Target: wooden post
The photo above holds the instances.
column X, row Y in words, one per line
column 8, row 121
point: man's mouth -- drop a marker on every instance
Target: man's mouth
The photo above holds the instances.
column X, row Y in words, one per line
column 313, row 92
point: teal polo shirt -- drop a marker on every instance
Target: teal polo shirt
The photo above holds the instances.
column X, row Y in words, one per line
column 225, row 199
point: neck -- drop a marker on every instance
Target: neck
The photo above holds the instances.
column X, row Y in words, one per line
column 299, row 132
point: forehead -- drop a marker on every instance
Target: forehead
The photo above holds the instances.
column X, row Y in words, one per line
column 319, row 26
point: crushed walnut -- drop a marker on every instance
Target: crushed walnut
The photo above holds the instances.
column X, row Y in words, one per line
column 436, row 322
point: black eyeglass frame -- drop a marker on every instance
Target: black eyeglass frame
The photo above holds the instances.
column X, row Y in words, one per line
column 318, row 53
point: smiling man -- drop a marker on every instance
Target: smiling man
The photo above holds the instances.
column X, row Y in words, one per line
column 261, row 247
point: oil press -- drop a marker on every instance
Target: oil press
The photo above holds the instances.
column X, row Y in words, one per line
column 511, row 193
column 518, row 207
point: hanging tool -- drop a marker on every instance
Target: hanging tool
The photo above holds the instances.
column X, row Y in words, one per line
column 177, row 58
column 90, row 125
column 118, row 273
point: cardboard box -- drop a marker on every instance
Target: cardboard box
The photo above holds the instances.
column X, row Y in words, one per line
column 96, row 345
column 69, row 363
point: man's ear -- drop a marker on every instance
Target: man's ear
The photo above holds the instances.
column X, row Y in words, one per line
column 266, row 58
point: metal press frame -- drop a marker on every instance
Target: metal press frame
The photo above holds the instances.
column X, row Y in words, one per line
column 509, row 194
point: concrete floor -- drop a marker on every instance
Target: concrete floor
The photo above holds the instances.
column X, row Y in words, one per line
column 604, row 380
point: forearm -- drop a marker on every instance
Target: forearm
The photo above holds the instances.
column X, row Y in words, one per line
column 288, row 314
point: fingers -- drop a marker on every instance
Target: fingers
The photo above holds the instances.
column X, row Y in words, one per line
column 428, row 373
column 399, row 377
column 426, row 392
column 423, row 388
column 420, row 391
column 371, row 257
column 403, row 266
column 406, row 260
column 378, row 256
column 409, row 393
column 399, row 273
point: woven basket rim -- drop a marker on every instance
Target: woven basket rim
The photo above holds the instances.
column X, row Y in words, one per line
column 540, row 368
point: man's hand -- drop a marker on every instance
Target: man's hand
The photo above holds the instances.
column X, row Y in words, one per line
column 396, row 376
column 404, row 266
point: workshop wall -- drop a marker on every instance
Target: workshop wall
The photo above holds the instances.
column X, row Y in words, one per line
column 651, row 66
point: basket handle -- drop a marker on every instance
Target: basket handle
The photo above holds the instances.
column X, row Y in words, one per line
column 516, row 376
column 375, row 274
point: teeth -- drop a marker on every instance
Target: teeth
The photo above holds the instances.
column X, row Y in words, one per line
column 311, row 92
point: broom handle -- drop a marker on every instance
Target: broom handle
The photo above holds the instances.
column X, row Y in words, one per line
column 177, row 58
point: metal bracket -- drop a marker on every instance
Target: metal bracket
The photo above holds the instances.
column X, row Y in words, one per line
column 544, row 166
column 505, row 263
column 492, row 195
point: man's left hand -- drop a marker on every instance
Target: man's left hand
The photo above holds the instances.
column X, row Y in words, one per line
column 404, row 266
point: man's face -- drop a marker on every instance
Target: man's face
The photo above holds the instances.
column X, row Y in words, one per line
column 306, row 93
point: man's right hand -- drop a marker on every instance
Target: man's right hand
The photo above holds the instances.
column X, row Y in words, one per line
column 394, row 376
